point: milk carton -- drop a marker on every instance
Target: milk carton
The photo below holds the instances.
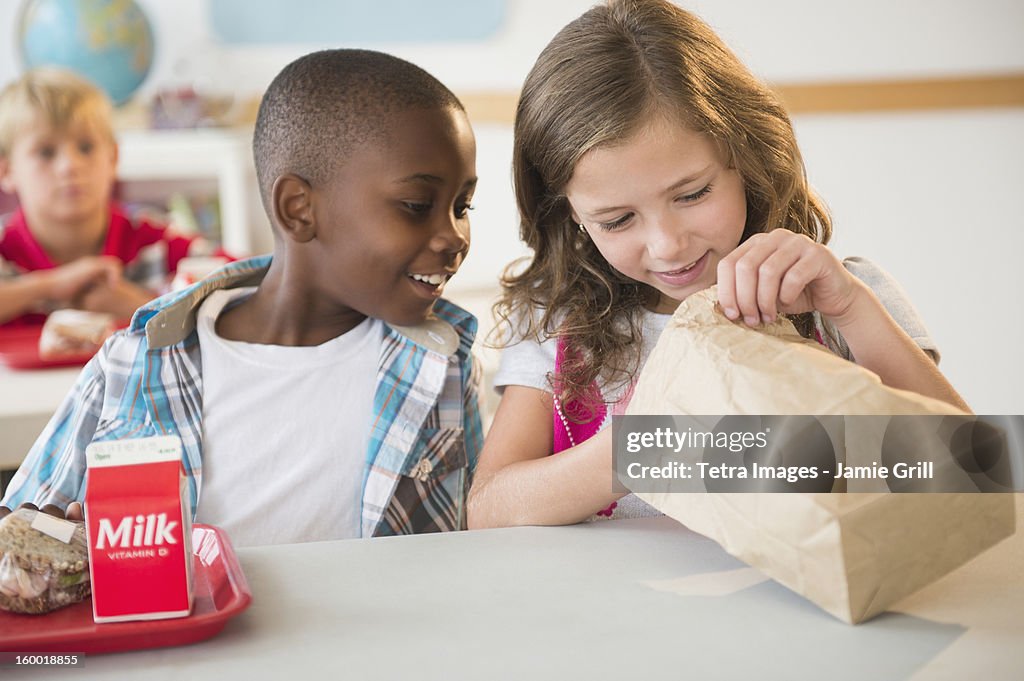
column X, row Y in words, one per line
column 138, row 520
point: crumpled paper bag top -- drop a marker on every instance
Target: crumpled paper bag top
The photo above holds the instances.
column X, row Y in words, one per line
column 706, row 364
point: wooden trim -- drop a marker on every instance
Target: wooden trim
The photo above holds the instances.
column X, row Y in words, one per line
column 490, row 107
column 832, row 97
column 982, row 92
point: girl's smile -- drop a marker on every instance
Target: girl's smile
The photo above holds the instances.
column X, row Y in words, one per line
column 686, row 274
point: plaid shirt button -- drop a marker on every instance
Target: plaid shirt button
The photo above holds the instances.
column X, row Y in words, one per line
column 422, row 470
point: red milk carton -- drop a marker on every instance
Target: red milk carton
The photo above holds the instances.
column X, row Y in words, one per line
column 138, row 519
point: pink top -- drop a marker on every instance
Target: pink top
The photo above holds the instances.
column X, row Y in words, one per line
column 569, row 433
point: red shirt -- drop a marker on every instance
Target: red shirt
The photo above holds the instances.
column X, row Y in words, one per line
column 129, row 241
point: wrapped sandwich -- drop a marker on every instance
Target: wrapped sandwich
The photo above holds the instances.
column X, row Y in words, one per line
column 40, row 572
column 74, row 333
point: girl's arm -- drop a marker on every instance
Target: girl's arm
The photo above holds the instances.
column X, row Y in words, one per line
column 518, row 483
column 880, row 345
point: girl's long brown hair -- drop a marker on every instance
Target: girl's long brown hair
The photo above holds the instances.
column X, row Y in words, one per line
column 596, row 83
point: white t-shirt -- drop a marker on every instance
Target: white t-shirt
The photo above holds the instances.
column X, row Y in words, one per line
column 285, row 432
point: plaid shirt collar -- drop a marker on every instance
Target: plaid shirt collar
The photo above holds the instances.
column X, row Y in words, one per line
column 169, row 320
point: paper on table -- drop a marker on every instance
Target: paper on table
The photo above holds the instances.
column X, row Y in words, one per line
column 723, row 583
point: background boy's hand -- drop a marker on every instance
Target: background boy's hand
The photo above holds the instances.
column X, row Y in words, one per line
column 119, row 297
column 69, row 281
column 783, row 272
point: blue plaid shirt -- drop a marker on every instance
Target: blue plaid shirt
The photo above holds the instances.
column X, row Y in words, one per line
column 147, row 380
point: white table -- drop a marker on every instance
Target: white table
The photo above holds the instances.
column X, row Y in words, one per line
column 581, row 602
column 27, row 401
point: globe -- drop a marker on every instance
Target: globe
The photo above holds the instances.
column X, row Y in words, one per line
column 110, row 42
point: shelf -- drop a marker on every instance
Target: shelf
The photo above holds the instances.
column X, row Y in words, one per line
column 221, row 157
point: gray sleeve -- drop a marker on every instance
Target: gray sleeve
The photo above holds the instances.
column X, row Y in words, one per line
column 896, row 302
column 527, row 363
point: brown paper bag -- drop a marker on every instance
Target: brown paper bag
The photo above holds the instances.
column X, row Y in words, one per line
column 852, row 554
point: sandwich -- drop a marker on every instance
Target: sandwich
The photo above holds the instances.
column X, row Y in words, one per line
column 74, row 333
column 39, row 572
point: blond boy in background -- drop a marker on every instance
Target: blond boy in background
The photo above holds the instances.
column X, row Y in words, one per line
column 68, row 244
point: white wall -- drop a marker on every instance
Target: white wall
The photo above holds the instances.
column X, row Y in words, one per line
column 782, row 40
column 933, row 197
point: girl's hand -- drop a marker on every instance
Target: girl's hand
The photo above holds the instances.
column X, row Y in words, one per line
column 789, row 273
column 783, row 272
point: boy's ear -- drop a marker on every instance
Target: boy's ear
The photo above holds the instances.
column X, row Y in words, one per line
column 292, row 203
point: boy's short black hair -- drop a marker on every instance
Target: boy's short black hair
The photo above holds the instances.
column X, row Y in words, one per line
column 324, row 105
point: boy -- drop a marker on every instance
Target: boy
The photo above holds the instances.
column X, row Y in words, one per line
column 327, row 391
column 68, row 245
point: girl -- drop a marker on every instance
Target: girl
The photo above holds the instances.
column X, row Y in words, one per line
column 650, row 164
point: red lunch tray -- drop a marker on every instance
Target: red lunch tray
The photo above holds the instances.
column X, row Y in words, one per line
column 19, row 349
column 219, row 593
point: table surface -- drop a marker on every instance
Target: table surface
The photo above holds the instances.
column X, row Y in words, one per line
column 644, row 599
column 27, row 401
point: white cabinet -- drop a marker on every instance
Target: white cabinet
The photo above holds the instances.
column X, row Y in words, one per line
column 156, row 163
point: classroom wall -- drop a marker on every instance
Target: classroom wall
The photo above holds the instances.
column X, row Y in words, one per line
column 783, row 41
column 930, row 195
